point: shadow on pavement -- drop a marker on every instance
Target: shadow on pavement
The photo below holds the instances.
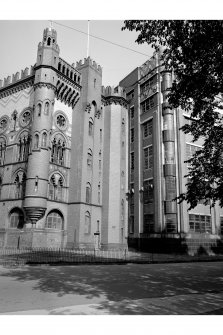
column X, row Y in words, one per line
column 120, row 284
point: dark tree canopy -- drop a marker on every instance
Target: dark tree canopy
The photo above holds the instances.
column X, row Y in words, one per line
column 193, row 50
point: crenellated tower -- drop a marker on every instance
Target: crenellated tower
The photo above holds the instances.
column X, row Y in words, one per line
column 35, row 202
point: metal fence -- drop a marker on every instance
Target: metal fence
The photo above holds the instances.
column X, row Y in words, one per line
column 10, row 257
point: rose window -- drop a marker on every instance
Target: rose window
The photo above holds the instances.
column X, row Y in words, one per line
column 61, row 121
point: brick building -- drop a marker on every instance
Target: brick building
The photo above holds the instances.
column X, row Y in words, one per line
column 62, row 155
column 157, row 154
column 83, row 165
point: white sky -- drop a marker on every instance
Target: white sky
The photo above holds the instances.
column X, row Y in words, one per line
column 21, row 38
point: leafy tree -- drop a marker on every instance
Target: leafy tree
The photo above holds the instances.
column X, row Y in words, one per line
column 193, row 50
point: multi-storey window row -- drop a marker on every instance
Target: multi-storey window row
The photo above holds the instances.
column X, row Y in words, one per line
column 148, row 84
column 200, row 223
column 132, row 163
column 190, row 151
column 147, row 104
column 132, row 111
column 148, row 158
column 148, row 129
column 132, row 133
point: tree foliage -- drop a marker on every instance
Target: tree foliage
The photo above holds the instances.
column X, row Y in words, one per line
column 193, row 50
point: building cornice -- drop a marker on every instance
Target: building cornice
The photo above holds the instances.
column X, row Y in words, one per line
column 116, row 100
column 16, row 87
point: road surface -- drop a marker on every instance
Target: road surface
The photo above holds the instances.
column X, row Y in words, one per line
column 144, row 289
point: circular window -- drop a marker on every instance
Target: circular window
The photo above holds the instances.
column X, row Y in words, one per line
column 3, row 124
column 61, row 121
column 25, row 118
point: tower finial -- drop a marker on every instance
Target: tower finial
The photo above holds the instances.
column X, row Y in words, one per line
column 51, row 25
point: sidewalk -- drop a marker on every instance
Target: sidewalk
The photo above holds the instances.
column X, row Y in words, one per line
column 194, row 304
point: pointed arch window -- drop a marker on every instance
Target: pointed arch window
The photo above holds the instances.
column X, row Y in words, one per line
column 88, row 193
column 36, row 141
column 47, row 108
column 99, row 194
column 39, row 108
column 56, row 187
column 44, row 140
column 48, row 41
column 58, row 150
column 90, row 127
column 122, row 209
column 20, row 184
column 95, row 107
column 87, row 223
column 2, row 150
column 0, row 187
column 89, row 158
column 24, row 146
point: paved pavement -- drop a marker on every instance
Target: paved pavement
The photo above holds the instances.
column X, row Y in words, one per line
column 144, row 289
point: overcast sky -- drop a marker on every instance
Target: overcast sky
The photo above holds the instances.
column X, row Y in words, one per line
column 20, row 40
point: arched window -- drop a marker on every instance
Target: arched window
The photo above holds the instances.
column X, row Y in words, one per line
column 87, row 223
column 2, row 150
column 89, row 158
column 0, row 186
column 122, row 209
column 90, row 127
column 56, row 187
column 54, row 220
column 39, row 107
column 123, row 125
column 16, row 218
column 88, row 193
column 71, row 75
column 20, row 184
column 58, row 150
column 48, row 41
column 94, row 107
column 36, row 141
column 63, row 69
column 24, row 146
column 44, row 140
column 99, row 194
column 47, row 108
column 75, row 77
column 59, row 66
column 67, row 72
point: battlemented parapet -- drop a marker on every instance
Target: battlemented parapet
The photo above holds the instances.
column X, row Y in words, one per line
column 114, row 95
column 88, row 62
column 69, row 71
column 27, row 72
column 113, row 91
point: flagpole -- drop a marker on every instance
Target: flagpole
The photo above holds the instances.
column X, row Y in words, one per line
column 88, row 25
